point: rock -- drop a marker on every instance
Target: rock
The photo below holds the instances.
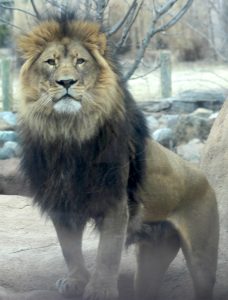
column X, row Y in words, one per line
column 11, row 180
column 168, row 120
column 203, row 95
column 6, row 153
column 188, row 101
column 165, row 137
column 152, row 123
column 190, row 127
column 215, row 165
column 9, row 149
column 191, row 151
column 8, row 135
column 9, row 166
column 9, row 117
column 162, row 106
column 214, row 116
column 14, row 146
column 155, row 106
column 202, row 112
column 4, row 125
column 183, row 106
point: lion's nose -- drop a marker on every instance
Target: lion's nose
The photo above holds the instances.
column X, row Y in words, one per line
column 66, row 82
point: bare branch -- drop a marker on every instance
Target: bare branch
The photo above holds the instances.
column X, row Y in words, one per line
column 127, row 28
column 164, row 8
column 88, row 7
column 35, row 9
column 157, row 66
column 10, row 24
column 175, row 18
column 17, row 9
column 101, row 6
column 153, row 30
column 59, row 6
column 119, row 24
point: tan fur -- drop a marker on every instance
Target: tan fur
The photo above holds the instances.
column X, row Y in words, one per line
column 172, row 190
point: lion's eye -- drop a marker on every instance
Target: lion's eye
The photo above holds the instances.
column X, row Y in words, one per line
column 80, row 61
column 51, row 62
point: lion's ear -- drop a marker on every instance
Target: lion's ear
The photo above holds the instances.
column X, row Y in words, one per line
column 102, row 43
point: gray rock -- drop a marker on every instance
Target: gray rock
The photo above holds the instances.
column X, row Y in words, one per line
column 9, row 117
column 155, row 106
column 190, row 100
column 165, row 137
column 202, row 112
column 14, row 146
column 214, row 116
column 183, row 106
column 8, row 135
column 203, row 95
column 153, row 124
column 5, row 126
column 6, row 153
column 190, row 127
column 191, row 151
column 169, row 121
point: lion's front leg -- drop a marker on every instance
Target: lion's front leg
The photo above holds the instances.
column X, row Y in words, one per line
column 103, row 283
column 71, row 244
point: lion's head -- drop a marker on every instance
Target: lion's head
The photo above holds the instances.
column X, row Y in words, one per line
column 68, row 82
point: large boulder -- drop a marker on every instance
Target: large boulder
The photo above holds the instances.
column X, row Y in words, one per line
column 215, row 164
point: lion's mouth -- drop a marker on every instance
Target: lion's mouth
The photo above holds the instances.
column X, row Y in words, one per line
column 67, row 104
column 67, row 97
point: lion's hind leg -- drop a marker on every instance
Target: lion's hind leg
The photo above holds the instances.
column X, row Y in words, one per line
column 197, row 225
column 155, row 252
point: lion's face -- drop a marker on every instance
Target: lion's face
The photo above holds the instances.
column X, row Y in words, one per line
column 65, row 74
column 67, row 78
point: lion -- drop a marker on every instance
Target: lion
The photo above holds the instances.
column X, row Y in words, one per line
column 88, row 155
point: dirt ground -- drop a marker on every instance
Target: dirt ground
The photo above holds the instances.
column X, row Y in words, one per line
column 31, row 259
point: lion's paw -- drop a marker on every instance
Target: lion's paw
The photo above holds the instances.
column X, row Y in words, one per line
column 71, row 286
column 99, row 290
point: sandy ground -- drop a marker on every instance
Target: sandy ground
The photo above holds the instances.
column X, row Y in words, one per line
column 31, row 259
